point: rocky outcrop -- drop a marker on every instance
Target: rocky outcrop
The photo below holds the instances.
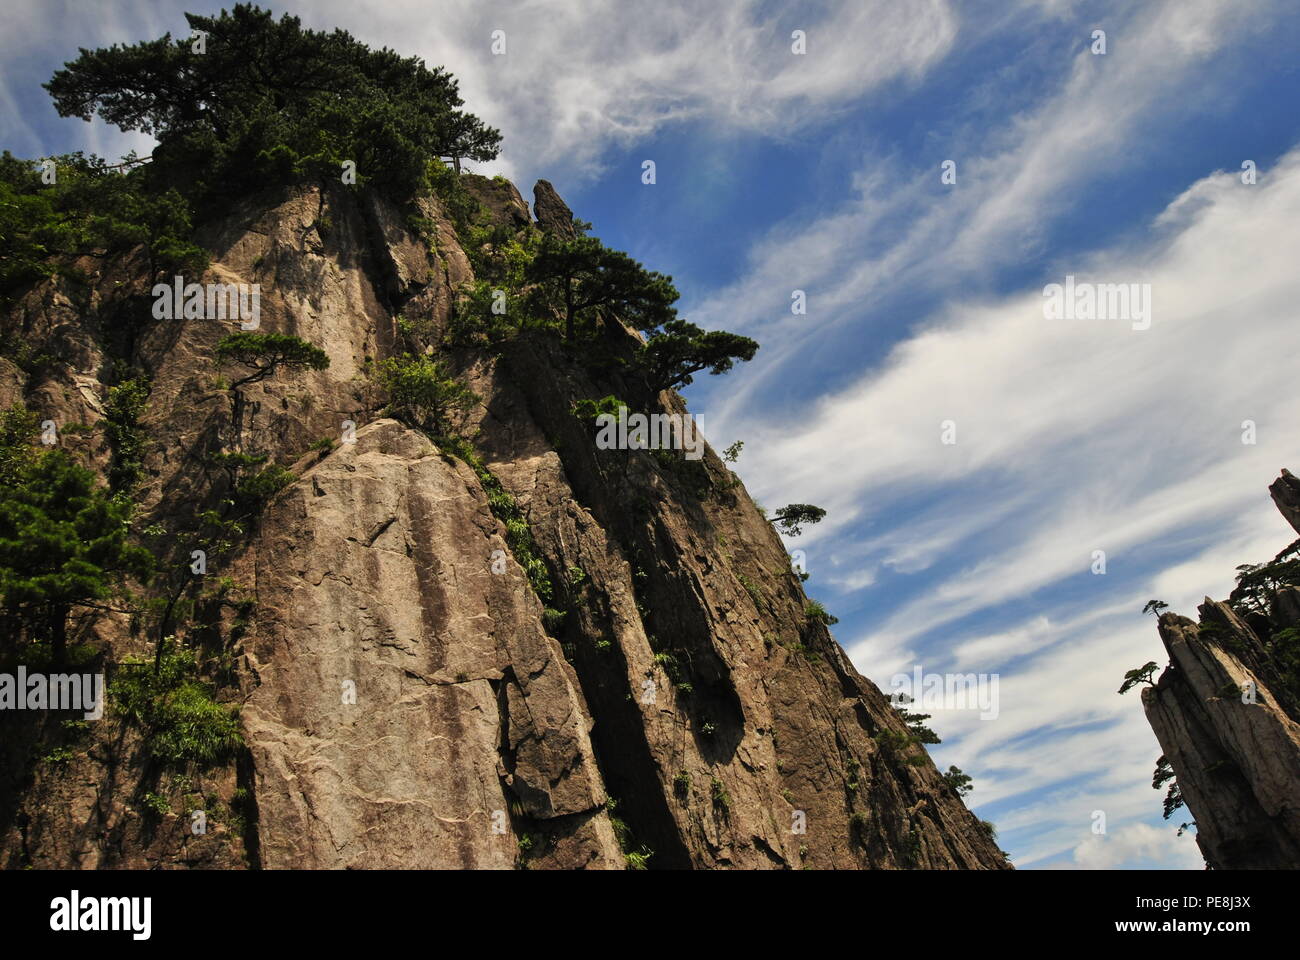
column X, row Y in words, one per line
column 730, row 725
column 406, row 697
column 1222, row 715
column 500, row 199
column 553, row 214
column 405, row 693
column 1286, row 494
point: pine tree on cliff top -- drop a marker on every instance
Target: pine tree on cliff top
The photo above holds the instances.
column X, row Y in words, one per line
column 248, row 99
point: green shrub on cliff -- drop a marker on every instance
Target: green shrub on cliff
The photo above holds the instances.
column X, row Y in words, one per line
column 122, row 413
column 575, row 279
column 1164, row 774
column 1139, row 675
column 63, row 540
column 958, row 782
column 1258, row 583
column 519, row 536
column 481, row 316
column 182, row 721
column 586, row 409
column 679, row 350
column 263, row 102
column 793, row 518
column 422, row 393
column 814, row 611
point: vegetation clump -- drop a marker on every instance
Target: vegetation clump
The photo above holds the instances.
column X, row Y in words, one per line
column 122, row 412
column 57, row 208
column 423, row 394
column 64, row 539
column 958, row 782
column 1164, row 774
column 183, row 722
column 815, row 612
column 793, row 518
column 268, row 101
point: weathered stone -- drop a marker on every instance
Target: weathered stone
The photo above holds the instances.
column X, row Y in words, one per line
column 553, row 214
column 1286, row 494
column 1224, row 725
column 750, row 698
column 500, row 197
column 402, row 257
column 374, row 577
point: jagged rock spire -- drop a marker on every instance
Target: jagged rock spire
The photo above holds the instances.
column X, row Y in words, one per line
column 553, row 214
column 1229, row 737
column 1286, row 494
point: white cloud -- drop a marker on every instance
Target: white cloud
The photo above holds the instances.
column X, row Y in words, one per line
column 580, row 76
column 1073, row 437
column 1139, row 841
column 1149, row 452
column 1060, row 716
column 35, row 35
column 1117, row 435
column 1012, row 180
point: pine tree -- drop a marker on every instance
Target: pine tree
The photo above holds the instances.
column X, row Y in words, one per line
column 267, row 98
column 63, row 544
column 578, row 276
column 680, row 350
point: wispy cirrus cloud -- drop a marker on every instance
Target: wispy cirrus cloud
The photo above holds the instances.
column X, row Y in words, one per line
column 1073, row 436
column 580, row 77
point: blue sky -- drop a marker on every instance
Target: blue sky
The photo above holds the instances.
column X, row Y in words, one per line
column 821, row 172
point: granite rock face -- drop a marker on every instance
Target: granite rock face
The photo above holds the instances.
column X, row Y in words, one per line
column 406, row 698
column 1225, row 718
column 553, row 214
column 405, row 692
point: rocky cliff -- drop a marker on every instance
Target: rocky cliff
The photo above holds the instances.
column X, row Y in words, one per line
column 1225, row 711
column 405, row 696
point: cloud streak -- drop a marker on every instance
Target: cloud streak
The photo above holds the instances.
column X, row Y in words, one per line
column 1073, row 436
